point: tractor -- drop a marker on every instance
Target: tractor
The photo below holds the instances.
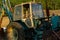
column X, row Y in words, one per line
column 26, row 18
column 23, row 21
column 27, row 22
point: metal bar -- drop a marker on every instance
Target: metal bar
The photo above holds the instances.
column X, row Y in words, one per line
column 56, row 35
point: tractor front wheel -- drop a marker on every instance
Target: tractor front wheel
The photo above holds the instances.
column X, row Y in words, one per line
column 15, row 31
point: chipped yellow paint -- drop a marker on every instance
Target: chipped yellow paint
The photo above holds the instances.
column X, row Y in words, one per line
column 5, row 22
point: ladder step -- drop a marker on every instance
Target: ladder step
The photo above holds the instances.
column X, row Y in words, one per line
column 41, row 29
column 40, row 32
column 40, row 36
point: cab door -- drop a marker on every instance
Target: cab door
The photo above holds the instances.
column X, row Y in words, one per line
column 27, row 15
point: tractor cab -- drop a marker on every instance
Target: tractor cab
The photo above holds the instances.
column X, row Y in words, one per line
column 28, row 13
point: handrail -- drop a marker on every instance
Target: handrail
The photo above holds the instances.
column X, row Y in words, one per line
column 7, row 9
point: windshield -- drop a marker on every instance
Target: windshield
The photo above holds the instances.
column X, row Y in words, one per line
column 37, row 11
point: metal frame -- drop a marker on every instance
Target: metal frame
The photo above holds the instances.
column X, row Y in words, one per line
column 30, row 11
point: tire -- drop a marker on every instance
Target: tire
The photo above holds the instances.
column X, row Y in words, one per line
column 15, row 31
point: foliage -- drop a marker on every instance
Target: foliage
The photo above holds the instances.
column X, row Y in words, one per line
column 52, row 4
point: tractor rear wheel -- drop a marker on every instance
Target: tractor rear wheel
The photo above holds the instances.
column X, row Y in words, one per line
column 15, row 31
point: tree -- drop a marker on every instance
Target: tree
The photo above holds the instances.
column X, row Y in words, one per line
column 51, row 3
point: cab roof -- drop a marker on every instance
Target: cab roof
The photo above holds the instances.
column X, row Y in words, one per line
column 27, row 3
